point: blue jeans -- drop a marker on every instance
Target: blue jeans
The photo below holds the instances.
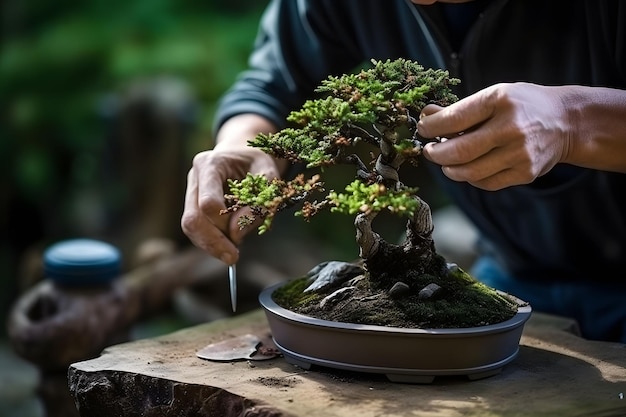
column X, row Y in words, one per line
column 599, row 309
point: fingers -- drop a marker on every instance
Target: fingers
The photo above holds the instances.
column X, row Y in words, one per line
column 460, row 149
column 500, row 168
column 459, row 121
column 203, row 224
column 219, row 234
column 436, row 121
column 502, row 179
column 236, row 232
column 482, row 162
column 478, row 146
column 231, row 158
column 430, row 109
column 209, row 171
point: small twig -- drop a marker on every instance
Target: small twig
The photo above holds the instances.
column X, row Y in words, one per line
column 370, row 138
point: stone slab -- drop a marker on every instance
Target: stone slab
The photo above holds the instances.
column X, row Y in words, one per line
column 557, row 373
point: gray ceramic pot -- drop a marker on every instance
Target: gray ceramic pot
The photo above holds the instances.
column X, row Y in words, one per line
column 402, row 354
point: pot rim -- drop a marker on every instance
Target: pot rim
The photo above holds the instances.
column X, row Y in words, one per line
column 267, row 302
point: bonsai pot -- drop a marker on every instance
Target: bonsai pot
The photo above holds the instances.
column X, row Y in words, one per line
column 409, row 355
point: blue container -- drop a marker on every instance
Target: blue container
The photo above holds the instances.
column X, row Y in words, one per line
column 82, row 263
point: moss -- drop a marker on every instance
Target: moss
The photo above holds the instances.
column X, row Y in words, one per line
column 292, row 295
column 462, row 302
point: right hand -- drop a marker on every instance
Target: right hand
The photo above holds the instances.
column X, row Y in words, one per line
column 218, row 234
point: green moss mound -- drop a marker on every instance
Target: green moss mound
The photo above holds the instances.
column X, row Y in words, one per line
column 462, row 302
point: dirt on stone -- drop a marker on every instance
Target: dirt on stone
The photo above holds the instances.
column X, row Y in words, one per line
column 276, row 382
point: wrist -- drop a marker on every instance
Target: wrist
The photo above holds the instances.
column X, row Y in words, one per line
column 596, row 127
column 235, row 133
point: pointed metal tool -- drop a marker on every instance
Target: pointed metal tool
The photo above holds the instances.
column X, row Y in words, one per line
column 232, row 278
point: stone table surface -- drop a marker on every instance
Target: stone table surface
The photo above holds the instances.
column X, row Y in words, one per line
column 556, row 373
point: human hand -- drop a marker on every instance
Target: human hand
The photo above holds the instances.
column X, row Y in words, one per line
column 204, row 199
column 504, row 135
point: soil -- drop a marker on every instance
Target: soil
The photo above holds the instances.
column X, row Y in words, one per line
column 462, row 302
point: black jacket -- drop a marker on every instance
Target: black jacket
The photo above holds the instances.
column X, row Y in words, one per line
column 568, row 224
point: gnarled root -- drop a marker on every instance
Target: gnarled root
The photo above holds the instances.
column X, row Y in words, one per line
column 367, row 239
column 419, row 229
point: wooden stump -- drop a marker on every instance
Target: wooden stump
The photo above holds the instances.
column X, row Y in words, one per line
column 557, row 373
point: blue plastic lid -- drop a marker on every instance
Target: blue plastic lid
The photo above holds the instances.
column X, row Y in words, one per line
column 82, row 262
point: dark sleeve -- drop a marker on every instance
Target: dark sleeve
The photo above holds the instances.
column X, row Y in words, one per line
column 299, row 43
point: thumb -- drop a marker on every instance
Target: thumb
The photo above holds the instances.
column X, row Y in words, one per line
column 422, row 124
column 430, row 109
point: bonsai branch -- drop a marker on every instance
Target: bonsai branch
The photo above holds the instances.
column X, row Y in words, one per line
column 373, row 107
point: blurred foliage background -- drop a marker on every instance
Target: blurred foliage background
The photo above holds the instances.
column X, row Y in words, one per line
column 68, row 70
column 103, row 105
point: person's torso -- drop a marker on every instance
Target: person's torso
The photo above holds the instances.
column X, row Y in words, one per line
column 570, row 223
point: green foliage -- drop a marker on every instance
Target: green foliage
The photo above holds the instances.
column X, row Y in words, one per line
column 256, row 190
column 301, row 145
column 330, row 114
column 266, row 198
column 362, row 198
column 384, row 95
column 377, row 106
column 391, row 84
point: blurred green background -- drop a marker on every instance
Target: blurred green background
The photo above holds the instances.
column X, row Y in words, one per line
column 103, row 105
column 71, row 76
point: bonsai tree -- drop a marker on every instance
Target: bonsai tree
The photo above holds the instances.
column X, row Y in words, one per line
column 377, row 108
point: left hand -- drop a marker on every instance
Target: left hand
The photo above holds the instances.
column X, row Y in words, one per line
column 504, row 135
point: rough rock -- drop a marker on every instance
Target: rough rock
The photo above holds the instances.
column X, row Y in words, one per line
column 429, row 291
column 331, row 274
column 336, row 296
column 399, row 289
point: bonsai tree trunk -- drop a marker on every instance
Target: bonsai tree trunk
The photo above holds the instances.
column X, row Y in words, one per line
column 403, row 285
column 389, row 263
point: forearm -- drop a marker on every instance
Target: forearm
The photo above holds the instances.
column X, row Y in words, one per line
column 238, row 130
column 597, row 121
